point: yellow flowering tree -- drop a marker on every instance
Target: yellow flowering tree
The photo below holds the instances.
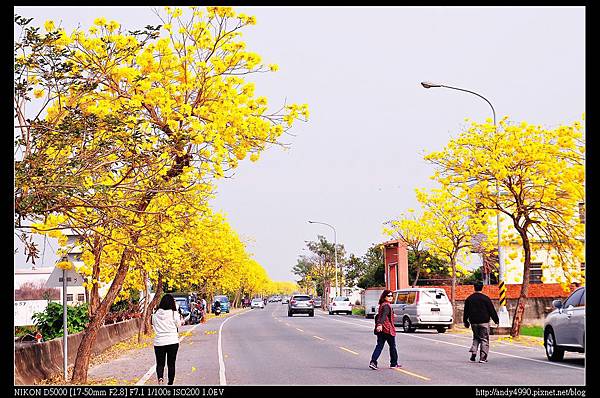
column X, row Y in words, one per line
column 451, row 220
column 540, row 174
column 130, row 115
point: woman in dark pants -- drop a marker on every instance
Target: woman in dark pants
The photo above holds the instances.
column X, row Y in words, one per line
column 166, row 322
column 385, row 330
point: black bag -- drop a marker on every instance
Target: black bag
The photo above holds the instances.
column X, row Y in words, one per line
column 375, row 332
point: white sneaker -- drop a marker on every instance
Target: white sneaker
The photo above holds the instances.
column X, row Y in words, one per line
column 160, row 382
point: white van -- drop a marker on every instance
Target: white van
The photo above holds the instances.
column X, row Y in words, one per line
column 422, row 308
column 371, row 300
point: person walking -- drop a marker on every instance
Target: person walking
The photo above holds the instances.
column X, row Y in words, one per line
column 478, row 311
column 385, row 331
column 166, row 323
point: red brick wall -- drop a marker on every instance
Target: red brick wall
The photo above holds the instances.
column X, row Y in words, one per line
column 536, row 290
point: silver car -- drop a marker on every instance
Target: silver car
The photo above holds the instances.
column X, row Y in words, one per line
column 301, row 304
column 422, row 308
column 564, row 328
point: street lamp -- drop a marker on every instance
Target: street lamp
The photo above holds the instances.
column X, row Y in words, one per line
column 502, row 313
column 334, row 251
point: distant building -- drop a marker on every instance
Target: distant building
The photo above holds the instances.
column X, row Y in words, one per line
column 75, row 294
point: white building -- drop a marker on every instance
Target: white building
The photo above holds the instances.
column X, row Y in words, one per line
column 75, row 294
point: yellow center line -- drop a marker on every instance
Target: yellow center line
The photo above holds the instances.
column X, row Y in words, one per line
column 345, row 349
column 317, row 337
column 300, row 329
column 412, row 374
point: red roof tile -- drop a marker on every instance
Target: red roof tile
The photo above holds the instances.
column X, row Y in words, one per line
column 536, row 290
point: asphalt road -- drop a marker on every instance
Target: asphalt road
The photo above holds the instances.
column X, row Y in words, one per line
column 266, row 347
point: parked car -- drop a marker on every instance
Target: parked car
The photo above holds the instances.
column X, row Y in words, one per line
column 257, row 303
column 340, row 304
column 285, row 300
column 564, row 328
column 318, row 302
column 371, row 300
column 422, row 308
column 301, row 304
column 223, row 300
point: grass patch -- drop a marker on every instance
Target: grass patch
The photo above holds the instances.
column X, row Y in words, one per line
column 358, row 311
column 535, row 331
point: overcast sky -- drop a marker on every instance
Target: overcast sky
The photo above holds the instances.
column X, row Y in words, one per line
column 357, row 161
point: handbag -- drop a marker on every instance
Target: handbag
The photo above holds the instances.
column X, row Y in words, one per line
column 375, row 332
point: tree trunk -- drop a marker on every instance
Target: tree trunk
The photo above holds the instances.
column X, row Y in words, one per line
column 453, row 291
column 148, row 314
column 82, row 360
column 520, row 310
column 94, row 291
column 417, row 276
column 146, row 299
column 237, row 299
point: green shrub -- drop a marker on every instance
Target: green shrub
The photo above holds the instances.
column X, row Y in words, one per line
column 358, row 311
column 50, row 321
column 23, row 330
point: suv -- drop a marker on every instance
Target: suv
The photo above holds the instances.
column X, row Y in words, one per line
column 422, row 308
column 301, row 304
column 564, row 328
column 223, row 300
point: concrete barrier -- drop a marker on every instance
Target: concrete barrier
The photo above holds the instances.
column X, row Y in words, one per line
column 535, row 310
column 38, row 361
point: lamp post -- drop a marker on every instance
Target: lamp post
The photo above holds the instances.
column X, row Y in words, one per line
column 334, row 251
column 502, row 313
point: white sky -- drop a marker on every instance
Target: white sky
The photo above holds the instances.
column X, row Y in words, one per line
column 355, row 164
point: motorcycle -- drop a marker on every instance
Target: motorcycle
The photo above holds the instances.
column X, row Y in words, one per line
column 217, row 308
column 196, row 315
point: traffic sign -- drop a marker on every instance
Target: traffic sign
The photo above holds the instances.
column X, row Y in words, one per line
column 56, row 278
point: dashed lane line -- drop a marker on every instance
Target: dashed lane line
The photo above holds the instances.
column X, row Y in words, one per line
column 412, row 374
column 317, row 337
column 467, row 346
column 350, row 351
column 300, row 329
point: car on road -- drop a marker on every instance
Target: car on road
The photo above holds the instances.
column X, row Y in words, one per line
column 340, row 304
column 257, row 303
column 422, row 308
column 564, row 328
column 223, row 300
column 285, row 300
column 301, row 304
column 318, row 302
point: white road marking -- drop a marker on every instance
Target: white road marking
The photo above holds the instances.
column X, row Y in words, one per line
column 300, row 329
column 317, row 337
column 465, row 346
column 222, row 379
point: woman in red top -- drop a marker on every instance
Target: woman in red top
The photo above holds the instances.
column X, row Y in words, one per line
column 385, row 330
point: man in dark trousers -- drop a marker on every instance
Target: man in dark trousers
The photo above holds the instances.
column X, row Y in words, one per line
column 478, row 311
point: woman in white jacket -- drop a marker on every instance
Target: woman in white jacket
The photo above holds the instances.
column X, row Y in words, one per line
column 166, row 322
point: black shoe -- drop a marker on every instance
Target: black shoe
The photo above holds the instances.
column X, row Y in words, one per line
column 373, row 365
column 472, row 359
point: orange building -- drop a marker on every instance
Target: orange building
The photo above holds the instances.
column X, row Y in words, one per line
column 395, row 257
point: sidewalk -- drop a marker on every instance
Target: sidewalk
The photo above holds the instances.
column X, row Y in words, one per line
column 127, row 362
